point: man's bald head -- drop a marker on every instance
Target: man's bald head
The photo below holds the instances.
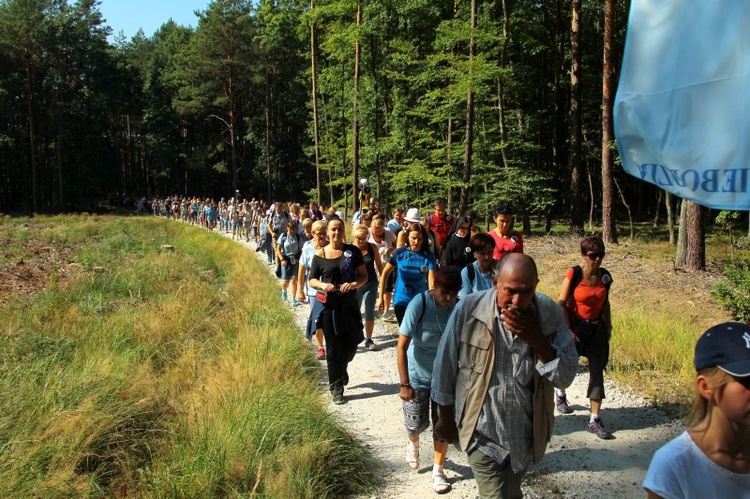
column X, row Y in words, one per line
column 517, row 263
column 515, row 281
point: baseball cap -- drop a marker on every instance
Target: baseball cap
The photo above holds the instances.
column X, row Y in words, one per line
column 726, row 346
column 413, row 215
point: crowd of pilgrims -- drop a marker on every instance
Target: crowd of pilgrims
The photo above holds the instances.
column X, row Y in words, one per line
column 406, row 268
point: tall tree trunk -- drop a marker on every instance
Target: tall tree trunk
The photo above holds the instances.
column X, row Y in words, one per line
column 670, row 216
column 469, row 116
column 609, row 227
column 500, row 105
column 32, row 142
column 691, row 241
column 316, row 131
column 268, row 138
column 355, row 117
column 660, row 193
column 376, row 126
column 232, row 140
column 576, row 167
column 59, row 155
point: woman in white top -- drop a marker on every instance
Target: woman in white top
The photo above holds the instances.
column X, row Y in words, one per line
column 711, row 458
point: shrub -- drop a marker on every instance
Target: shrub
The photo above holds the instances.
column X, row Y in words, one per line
column 734, row 293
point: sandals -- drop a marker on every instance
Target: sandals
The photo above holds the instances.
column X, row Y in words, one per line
column 440, row 483
column 412, row 456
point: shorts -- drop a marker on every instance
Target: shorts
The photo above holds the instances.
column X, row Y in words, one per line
column 417, row 414
column 289, row 271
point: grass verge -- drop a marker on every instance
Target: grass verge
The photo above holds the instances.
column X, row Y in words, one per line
column 144, row 370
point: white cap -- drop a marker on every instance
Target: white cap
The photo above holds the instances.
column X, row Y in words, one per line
column 413, row 215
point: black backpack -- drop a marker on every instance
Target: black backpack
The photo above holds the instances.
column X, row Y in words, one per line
column 578, row 277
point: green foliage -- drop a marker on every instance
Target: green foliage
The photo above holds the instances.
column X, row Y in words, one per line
column 734, row 292
column 196, row 111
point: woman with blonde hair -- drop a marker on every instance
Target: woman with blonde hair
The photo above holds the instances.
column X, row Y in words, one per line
column 711, row 458
column 319, row 239
column 337, row 270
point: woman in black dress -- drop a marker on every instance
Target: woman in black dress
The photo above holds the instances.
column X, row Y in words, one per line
column 337, row 270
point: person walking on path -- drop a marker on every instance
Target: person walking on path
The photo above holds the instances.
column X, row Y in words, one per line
column 440, row 222
column 506, row 239
column 288, row 251
column 369, row 292
column 338, row 269
column 477, row 276
column 416, row 270
column 502, row 352
column 304, row 290
column 711, row 458
column 584, row 296
column 423, row 325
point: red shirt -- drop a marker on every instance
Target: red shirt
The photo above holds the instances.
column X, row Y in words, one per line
column 441, row 226
column 505, row 246
column 587, row 301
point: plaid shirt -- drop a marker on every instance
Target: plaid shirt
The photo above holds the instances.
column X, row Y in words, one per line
column 504, row 426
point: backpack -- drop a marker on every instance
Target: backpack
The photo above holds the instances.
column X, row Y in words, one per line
column 424, row 306
column 578, row 277
column 472, row 273
column 299, row 246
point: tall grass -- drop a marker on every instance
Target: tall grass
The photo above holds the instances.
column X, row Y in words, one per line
column 161, row 373
column 652, row 351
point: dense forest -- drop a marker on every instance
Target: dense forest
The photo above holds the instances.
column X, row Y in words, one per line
column 471, row 101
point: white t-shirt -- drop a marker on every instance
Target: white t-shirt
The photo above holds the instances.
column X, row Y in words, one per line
column 681, row 470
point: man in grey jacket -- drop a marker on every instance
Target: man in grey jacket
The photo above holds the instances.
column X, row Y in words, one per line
column 502, row 351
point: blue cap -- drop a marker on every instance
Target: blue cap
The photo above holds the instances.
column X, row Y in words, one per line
column 726, row 346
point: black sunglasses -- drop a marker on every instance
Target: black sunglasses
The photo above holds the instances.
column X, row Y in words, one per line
column 594, row 256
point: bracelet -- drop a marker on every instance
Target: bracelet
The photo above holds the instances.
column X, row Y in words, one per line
column 405, row 385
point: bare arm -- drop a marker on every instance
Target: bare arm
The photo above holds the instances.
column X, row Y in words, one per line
column 378, row 262
column 301, row 288
column 431, row 279
column 402, row 361
column 564, row 292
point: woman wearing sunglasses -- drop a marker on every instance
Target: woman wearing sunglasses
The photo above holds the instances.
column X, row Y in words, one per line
column 584, row 295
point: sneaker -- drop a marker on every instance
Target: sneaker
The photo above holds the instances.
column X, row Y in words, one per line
column 283, row 295
column 389, row 316
column 339, row 399
column 440, row 483
column 412, row 455
column 370, row 345
column 597, row 427
column 561, row 403
column 321, row 353
column 294, row 302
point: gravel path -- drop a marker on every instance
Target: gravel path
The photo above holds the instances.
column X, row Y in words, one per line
column 577, row 464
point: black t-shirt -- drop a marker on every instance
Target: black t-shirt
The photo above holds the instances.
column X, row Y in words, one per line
column 337, row 270
column 369, row 260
